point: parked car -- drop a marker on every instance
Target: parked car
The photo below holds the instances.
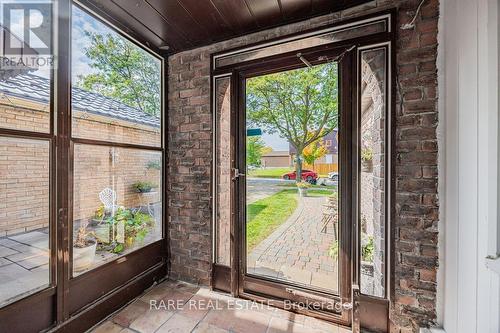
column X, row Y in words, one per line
column 307, row 175
column 333, row 176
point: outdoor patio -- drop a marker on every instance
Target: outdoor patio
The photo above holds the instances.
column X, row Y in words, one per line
column 24, row 261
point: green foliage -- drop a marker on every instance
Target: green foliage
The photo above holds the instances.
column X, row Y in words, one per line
column 100, row 212
column 269, row 172
column 300, row 105
column 156, row 165
column 314, row 151
column 368, row 249
column 303, row 184
column 255, row 149
column 366, row 154
column 143, row 186
column 137, row 225
column 123, row 72
column 265, row 215
column 333, row 251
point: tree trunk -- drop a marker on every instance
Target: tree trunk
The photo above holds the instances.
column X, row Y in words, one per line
column 298, row 168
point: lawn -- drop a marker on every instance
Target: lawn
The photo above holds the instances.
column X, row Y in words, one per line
column 269, row 172
column 266, row 215
column 330, row 187
column 273, row 173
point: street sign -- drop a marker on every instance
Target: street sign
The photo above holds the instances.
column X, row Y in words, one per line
column 254, row 131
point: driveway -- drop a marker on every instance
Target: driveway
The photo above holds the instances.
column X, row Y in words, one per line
column 260, row 188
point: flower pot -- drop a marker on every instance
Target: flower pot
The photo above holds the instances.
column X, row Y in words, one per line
column 366, row 165
column 302, row 192
column 83, row 257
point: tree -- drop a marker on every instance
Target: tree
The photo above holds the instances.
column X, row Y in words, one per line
column 123, row 72
column 314, row 151
column 300, row 105
column 255, row 149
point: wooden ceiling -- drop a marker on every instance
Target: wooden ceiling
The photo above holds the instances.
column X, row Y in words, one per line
column 184, row 24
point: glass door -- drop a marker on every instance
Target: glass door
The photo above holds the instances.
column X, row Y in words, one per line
column 293, row 154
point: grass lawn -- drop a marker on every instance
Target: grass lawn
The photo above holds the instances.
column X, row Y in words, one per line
column 273, row 173
column 269, row 173
column 265, row 215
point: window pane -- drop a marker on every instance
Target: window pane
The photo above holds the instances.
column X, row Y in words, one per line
column 116, row 92
column 373, row 143
column 223, row 167
column 24, row 217
column 117, row 203
column 292, row 195
column 25, row 65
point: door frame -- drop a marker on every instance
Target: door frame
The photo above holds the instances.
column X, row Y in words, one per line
column 250, row 286
column 225, row 278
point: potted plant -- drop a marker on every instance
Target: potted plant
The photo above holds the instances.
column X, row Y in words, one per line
column 143, row 187
column 129, row 227
column 303, row 187
column 84, row 248
column 367, row 159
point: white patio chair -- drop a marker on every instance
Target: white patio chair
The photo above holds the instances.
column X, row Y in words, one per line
column 108, row 199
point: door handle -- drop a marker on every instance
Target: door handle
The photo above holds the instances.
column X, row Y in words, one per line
column 237, row 174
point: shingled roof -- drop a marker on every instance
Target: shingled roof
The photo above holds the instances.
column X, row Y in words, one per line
column 37, row 89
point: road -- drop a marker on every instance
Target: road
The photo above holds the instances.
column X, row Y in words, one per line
column 259, row 188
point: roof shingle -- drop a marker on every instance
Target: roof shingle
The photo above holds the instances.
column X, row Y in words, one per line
column 36, row 88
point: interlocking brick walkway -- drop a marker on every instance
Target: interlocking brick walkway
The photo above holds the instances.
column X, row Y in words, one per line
column 298, row 251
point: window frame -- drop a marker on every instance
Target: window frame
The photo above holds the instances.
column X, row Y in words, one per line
column 96, row 142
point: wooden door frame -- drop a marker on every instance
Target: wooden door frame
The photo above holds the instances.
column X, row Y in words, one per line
column 223, row 276
column 252, row 287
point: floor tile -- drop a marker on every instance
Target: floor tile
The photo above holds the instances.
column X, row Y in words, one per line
column 150, row 321
column 207, row 328
column 238, row 321
column 232, row 315
column 130, row 313
column 5, row 251
column 178, row 324
column 108, row 327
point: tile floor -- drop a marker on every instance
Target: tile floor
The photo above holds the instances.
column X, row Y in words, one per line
column 182, row 308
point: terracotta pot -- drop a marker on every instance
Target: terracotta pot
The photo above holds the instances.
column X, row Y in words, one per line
column 83, row 257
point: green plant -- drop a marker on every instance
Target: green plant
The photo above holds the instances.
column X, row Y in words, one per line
column 156, row 165
column 333, row 251
column 366, row 154
column 303, row 184
column 368, row 249
column 136, row 226
column 143, row 186
column 100, row 212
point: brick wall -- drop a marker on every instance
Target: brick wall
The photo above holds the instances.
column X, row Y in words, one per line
column 24, row 167
column 416, row 222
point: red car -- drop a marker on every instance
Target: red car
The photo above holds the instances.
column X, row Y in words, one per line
column 307, row 175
